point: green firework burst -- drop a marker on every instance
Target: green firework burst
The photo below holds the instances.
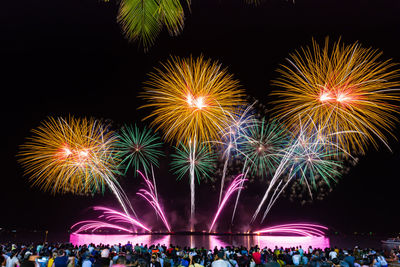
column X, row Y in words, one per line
column 138, row 148
column 314, row 158
column 264, row 147
column 198, row 156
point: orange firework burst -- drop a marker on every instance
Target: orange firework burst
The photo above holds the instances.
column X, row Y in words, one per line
column 70, row 155
column 346, row 89
column 191, row 99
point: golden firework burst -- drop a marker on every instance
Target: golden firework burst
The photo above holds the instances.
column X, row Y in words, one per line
column 70, row 155
column 191, row 99
column 346, row 88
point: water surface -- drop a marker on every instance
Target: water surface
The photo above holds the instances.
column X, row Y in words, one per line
column 206, row 241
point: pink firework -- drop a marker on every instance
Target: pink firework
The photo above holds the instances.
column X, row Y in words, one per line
column 302, row 229
column 235, row 185
column 116, row 216
column 94, row 225
column 151, row 197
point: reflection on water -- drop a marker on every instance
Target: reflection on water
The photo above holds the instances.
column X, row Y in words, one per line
column 206, row 241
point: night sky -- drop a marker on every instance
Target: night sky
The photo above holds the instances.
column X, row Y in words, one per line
column 63, row 57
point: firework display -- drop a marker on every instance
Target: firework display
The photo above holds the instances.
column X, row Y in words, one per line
column 343, row 88
column 310, row 157
column 310, row 154
column 138, row 148
column 190, row 100
column 331, row 102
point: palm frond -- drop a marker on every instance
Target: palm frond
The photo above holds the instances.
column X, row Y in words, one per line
column 140, row 20
column 172, row 15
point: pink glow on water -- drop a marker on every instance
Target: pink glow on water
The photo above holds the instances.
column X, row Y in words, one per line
column 271, row 241
column 235, row 185
column 164, row 240
column 82, row 239
column 293, row 241
column 206, row 241
column 215, row 241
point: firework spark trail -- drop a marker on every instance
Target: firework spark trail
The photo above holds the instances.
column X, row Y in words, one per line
column 94, row 225
column 274, row 194
column 238, row 195
column 311, row 157
column 154, row 182
column 311, row 153
column 149, row 184
column 147, row 181
column 232, row 146
column 305, row 225
column 235, row 185
column 151, row 197
column 223, row 175
column 121, row 197
column 117, row 190
column 273, row 200
column 197, row 161
column 279, row 171
column 303, row 229
column 289, row 231
column 114, row 215
column 314, row 229
column 119, row 193
column 192, row 160
column 265, row 148
column 234, row 132
column 240, row 190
